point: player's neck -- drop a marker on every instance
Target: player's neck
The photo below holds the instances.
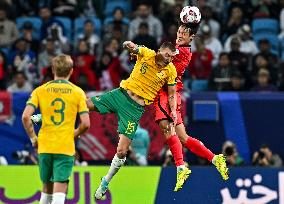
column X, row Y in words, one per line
column 158, row 62
column 61, row 78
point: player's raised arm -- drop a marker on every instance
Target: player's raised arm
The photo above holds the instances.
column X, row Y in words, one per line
column 131, row 47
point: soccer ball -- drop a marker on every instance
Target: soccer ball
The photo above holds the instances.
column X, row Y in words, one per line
column 190, row 14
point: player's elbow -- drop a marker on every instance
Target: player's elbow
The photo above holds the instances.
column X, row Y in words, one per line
column 171, row 91
column 85, row 124
column 25, row 118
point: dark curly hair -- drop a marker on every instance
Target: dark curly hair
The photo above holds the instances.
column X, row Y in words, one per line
column 193, row 27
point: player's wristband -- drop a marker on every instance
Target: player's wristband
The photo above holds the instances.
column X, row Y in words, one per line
column 33, row 140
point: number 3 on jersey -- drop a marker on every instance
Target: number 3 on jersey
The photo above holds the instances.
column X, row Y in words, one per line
column 60, row 110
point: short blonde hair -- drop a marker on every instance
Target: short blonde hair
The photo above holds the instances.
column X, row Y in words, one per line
column 62, row 65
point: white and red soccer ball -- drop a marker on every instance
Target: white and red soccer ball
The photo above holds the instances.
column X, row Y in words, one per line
column 190, row 14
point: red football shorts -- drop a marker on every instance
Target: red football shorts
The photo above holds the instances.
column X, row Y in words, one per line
column 162, row 108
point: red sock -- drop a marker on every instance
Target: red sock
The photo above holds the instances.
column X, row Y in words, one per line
column 176, row 149
column 198, row 148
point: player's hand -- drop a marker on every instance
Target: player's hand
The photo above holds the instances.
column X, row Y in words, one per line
column 35, row 145
column 34, row 141
column 128, row 44
column 174, row 117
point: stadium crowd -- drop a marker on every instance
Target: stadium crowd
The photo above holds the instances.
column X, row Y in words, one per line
column 231, row 53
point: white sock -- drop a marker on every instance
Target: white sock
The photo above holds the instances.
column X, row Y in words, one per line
column 180, row 167
column 116, row 163
column 58, row 198
column 214, row 159
column 45, row 198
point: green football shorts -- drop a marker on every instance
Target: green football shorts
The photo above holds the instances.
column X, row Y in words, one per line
column 55, row 167
column 127, row 110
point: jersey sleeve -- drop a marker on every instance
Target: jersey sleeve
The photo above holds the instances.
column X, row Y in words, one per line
column 144, row 52
column 172, row 75
column 33, row 100
column 82, row 104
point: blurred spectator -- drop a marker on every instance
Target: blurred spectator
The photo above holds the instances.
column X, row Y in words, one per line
column 8, row 30
column 281, row 18
column 47, row 21
column 211, row 43
column 233, row 158
column 25, row 7
column 201, row 60
column 61, row 42
column 144, row 38
column 171, row 16
column 265, row 157
column 112, row 46
column 169, row 160
column 263, row 84
column 166, row 7
column 170, row 34
column 118, row 23
column 154, row 5
column 216, row 6
column 220, row 78
column 82, row 82
column 66, row 8
column 108, row 71
column 3, row 161
column 88, row 8
column 281, row 76
column 27, row 33
column 89, row 35
column 265, row 51
column 3, row 70
column 207, row 18
column 265, row 9
column 237, row 82
column 235, row 20
column 238, row 59
column 248, row 46
column 140, row 145
column 84, row 63
column 23, row 59
column 26, row 156
column 20, row 84
column 262, row 63
column 145, row 15
column 44, row 58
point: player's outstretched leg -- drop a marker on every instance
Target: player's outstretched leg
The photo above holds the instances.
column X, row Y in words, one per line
column 198, row 148
column 176, row 149
column 117, row 162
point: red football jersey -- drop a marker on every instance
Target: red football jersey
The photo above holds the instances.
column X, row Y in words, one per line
column 181, row 62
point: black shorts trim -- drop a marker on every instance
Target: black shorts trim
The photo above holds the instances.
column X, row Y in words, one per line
column 168, row 117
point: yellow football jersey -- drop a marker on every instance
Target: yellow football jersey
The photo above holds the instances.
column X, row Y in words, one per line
column 146, row 78
column 59, row 102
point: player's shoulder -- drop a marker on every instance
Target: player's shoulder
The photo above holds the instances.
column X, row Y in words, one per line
column 184, row 50
column 77, row 89
column 171, row 66
column 147, row 51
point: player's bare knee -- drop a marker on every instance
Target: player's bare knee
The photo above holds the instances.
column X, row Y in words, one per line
column 48, row 188
column 121, row 152
column 183, row 138
column 165, row 128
